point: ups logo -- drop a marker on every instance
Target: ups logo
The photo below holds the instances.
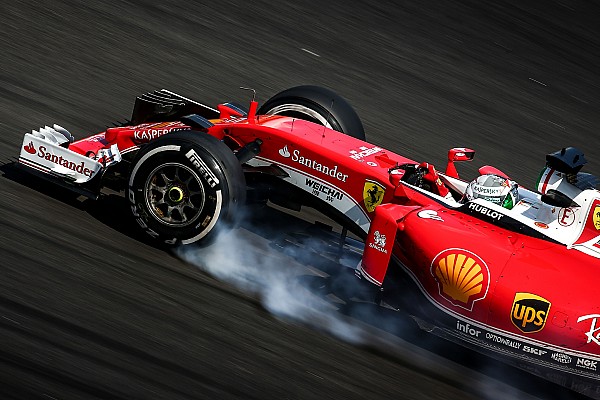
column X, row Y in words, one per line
column 529, row 312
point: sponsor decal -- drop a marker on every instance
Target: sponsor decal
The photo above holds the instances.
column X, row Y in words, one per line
column 42, row 152
column 462, row 277
column 587, row 364
column 502, row 340
column 29, row 148
column 372, row 164
column 210, row 177
column 379, row 242
column 429, row 214
column 154, row 131
column 593, row 335
column 373, row 194
column 332, row 171
column 466, row 328
column 566, row 216
column 284, row 152
column 529, row 312
column 318, row 189
column 364, row 152
column 561, row 358
column 494, row 191
column 596, row 218
column 485, row 211
column 148, row 134
column 534, row 350
column 541, row 225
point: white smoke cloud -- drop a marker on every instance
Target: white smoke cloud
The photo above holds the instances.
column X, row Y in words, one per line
column 291, row 286
column 283, row 284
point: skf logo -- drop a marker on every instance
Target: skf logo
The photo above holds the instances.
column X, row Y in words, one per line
column 596, row 218
column 29, row 148
column 529, row 312
column 462, row 277
column 372, row 195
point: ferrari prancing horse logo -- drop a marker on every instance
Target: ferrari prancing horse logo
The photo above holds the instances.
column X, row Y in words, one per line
column 372, row 195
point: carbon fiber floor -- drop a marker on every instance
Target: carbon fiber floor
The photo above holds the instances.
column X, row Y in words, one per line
column 88, row 310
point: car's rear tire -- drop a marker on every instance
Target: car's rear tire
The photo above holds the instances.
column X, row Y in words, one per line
column 184, row 187
column 316, row 104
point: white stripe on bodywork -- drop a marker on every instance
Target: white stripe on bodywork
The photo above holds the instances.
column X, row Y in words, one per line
column 348, row 206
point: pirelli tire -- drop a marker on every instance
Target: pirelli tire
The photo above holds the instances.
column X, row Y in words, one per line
column 185, row 187
column 316, row 104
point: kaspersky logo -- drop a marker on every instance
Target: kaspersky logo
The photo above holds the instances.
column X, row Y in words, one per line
column 529, row 312
column 462, row 277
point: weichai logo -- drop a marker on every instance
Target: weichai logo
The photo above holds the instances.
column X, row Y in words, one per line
column 529, row 312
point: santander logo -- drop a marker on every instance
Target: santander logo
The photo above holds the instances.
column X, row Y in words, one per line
column 284, row 152
column 331, row 170
column 29, row 148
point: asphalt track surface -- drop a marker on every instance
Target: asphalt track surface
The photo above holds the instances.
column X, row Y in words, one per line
column 88, row 309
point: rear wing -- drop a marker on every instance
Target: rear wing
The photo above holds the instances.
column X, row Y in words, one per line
column 164, row 105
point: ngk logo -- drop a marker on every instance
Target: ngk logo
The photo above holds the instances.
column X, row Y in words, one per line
column 587, row 364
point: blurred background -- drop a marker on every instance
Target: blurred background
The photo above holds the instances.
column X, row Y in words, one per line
column 88, row 311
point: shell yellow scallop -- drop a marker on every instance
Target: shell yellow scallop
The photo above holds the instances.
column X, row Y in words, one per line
column 460, row 275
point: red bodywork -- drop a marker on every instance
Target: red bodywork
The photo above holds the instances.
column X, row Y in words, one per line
column 496, row 288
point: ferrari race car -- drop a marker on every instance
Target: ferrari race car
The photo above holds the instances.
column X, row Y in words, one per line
column 516, row 281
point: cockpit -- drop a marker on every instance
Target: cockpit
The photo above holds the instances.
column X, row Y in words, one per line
column 565, row 208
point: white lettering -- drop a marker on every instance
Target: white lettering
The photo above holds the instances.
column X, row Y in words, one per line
column 466, row 328
column 504, row 341
column 485, row 211
column 324, row 169
column 594, row 333
column 561, row 358
column 588, row 364
column 365, row 152
column 210, row 177
column 533, row 350
column 149, row 134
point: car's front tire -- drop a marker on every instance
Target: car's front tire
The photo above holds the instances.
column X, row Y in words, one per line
column 185, row 186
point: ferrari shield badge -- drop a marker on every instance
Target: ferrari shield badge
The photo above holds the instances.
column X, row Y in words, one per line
column 596, row 217
column 372, row 195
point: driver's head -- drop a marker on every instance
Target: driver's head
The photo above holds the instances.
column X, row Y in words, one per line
column 495, row 189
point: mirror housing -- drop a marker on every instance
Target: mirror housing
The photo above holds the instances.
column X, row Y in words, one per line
column 458, row 154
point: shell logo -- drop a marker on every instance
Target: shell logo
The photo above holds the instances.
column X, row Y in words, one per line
column 462, row 277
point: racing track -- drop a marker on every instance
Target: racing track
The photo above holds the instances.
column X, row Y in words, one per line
column 88, row 310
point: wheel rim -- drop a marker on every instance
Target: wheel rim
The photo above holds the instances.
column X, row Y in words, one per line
column 174, row 194
column 299, row 111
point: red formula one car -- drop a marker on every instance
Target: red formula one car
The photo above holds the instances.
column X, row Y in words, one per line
column 514, row 277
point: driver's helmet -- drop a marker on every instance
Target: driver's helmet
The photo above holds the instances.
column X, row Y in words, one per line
column 495, row 189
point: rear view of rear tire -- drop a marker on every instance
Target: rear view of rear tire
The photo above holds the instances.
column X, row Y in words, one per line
column 316, row 104
column 184, row 187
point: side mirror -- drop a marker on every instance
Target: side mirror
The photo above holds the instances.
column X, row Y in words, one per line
column 458, row 154
column 558, row 199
